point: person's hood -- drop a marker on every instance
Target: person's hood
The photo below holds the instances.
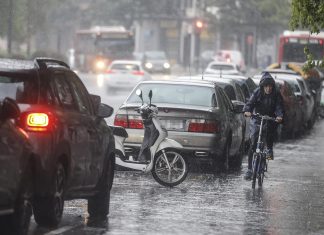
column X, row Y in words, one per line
column 266, row 79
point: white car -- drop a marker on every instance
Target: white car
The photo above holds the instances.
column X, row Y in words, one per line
column 221, row 68
column 125, row 74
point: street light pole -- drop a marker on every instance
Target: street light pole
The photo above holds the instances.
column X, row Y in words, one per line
column 10, row 21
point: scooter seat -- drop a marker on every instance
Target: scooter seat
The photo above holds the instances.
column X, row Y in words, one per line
column 119, row 131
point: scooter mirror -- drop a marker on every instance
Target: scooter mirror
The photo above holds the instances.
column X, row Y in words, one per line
column 150, row 96
column 139, row 93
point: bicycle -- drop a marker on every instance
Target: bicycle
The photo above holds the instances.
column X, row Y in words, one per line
column 260, row 160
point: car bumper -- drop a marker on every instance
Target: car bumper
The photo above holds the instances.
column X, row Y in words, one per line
column 204, row 145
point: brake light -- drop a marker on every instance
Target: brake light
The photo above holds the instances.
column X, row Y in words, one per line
column 203, row 126
column 121, row 120
column 109, row 71
column 139, row 73
column 37, row 121
column 135, row 122
column 132, row 121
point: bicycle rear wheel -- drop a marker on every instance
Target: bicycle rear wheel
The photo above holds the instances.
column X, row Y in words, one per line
column 255, row 167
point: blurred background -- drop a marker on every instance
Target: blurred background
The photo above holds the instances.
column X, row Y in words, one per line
column 191, row 33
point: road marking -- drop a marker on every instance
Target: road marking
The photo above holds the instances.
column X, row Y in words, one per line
column 60, row 230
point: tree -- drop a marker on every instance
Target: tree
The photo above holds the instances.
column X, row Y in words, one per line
column 308, row 14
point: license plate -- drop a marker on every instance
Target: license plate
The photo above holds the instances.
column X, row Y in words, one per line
column 173, row 124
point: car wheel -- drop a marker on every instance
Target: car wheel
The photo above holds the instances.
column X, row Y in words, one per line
column 236, row 161
column 48, row 210
column 98, row 205
column 18, row 222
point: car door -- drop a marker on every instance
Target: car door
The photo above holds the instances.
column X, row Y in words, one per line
column 73, row 130
column 233, row 121
column 97, row 142
column 11, row 149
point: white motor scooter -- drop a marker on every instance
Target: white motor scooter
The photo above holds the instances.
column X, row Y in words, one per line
column 158, row 154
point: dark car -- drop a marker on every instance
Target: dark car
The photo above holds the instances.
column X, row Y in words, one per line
column 197, row 114
column 16, row 181
column 156, row 62
column 72, row 143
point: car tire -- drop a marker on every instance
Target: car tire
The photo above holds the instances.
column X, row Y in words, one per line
column 98, row 205
column 48, row 211
column 18, row 222
column 236, row 161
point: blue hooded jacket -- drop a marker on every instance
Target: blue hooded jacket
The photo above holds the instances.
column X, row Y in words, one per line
column 264, row 104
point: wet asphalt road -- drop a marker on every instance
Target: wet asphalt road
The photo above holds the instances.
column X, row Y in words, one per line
column 291, row 200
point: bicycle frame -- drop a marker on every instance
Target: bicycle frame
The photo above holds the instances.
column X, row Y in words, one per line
column 259, row 163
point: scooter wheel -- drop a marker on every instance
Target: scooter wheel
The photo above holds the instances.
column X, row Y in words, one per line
column 170, row 168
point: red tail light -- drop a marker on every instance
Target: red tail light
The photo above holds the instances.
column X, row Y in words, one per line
column 40, row 121
column 139, row 73
column 109, row 71
column 121, row 120
column 203, row 126
column 133, row 122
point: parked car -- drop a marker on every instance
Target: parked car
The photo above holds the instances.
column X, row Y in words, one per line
column 156, row 62
column 16, row 179
column 72, row 143
column 125, row 74
column 321, row 108
column 197, row 114
column 231, row 56
column 221, row 68
column 294, row 118
column 302, row 92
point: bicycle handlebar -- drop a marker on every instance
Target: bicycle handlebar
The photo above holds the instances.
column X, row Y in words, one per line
column 265, row 117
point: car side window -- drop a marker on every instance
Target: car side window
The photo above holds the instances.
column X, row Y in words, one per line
column 64, row 92
column 230, row 92
column 240, row 94
column 227, row 103
column 81, row 94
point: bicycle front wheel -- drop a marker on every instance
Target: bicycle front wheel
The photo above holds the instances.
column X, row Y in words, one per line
column 255, row 167
column 262, row 170
column 170, row 168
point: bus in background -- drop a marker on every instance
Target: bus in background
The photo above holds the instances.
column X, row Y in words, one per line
column 96, row 47
column 292, row 44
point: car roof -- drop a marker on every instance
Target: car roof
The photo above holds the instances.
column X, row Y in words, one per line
column 182, row 81
column 136, row 62
column 283, row 71
column 14, row 65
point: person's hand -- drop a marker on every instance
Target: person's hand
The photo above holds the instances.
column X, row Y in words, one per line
column 279, row 119
column 247, row 114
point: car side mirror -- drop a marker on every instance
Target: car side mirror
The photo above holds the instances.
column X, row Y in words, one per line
column 9, row 109
column 96, row 100
column 238, row 106
column 105, row 111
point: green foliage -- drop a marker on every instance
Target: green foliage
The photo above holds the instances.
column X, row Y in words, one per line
column 308, row 14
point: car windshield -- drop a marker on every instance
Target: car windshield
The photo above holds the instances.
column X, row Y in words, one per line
column 21, row 87
column 125, row 67
column 222, row 67
column 175, row 94
column 155, row 55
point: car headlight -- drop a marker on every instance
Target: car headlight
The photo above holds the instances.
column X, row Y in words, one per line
column 166, row 65
column 100, row 64
column 149, row 65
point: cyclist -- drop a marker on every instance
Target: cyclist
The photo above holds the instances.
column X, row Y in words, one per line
column 265, row 100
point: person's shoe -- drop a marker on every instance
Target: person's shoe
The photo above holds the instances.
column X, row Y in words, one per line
column 248, row 175
column 270, row 154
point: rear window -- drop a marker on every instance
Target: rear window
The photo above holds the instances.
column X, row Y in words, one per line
column 176, row 94
column 126, row 67
column 21, row 87
column 222, row 67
